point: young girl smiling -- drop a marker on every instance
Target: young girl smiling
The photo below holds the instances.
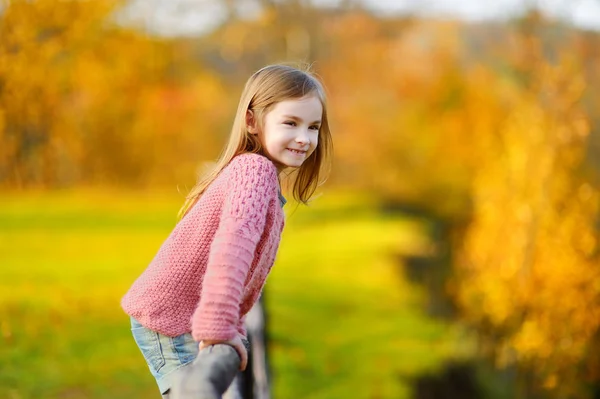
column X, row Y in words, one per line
column 188, row 307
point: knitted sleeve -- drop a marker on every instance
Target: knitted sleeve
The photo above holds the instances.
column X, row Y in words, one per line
column 252, row 181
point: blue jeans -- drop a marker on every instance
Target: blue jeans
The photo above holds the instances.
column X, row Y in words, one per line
column 171, row 359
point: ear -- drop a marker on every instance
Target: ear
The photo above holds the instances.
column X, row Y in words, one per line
column 251, row 124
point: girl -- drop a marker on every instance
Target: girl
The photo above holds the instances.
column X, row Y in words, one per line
column 191, row 301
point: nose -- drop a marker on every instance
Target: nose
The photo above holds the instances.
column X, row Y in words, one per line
column 303, row 137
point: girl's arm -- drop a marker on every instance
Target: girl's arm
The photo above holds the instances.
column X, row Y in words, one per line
column 252, row 180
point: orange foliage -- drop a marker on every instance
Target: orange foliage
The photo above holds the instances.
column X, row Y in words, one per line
column 528, row 274
column 396, row 100
column 84, row 101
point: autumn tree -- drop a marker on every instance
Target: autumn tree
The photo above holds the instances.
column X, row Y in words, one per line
column 84, row 100
column 527, row 271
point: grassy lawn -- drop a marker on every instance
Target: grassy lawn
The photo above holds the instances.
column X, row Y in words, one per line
column 343, row 321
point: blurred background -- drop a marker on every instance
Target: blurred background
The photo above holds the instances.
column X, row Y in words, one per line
column 453, row 252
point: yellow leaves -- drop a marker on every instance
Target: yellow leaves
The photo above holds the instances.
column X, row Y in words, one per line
column 233, row 43
column 550, row 382
column 2, row 121
column 581, row 126
column 85, row 101
column 528, row 271
column 530, row 340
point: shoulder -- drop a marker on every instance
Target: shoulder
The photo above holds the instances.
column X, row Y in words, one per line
column 252, row 166
column 251, row 173
column 252, row 159
column 251, row 183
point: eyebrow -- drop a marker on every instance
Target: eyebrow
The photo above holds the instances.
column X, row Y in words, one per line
column 299, row 119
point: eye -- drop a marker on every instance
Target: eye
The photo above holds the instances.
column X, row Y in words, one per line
column 315, row 127
column 289, row 123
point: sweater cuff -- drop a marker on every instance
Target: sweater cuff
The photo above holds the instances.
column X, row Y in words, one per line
column 214, row 334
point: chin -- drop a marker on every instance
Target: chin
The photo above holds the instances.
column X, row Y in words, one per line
column 290, row 164
column 294, row 165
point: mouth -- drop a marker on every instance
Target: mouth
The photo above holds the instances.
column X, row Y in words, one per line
column 296, row 152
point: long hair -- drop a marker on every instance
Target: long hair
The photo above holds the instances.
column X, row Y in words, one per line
column 264, row 89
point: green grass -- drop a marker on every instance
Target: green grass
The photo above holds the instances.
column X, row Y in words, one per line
column 343, row 321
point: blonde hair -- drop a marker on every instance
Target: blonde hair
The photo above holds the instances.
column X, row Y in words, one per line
column 264, row 89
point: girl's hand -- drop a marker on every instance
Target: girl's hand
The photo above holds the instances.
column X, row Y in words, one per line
column 236, row 343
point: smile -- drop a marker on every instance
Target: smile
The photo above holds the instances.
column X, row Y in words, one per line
column 297, row 152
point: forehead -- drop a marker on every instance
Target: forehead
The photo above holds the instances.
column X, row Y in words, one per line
column 308, row 107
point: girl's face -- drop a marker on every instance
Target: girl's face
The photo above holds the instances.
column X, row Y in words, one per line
column 291, row 131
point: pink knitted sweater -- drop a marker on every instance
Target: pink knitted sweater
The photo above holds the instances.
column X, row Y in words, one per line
column 211, row 269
